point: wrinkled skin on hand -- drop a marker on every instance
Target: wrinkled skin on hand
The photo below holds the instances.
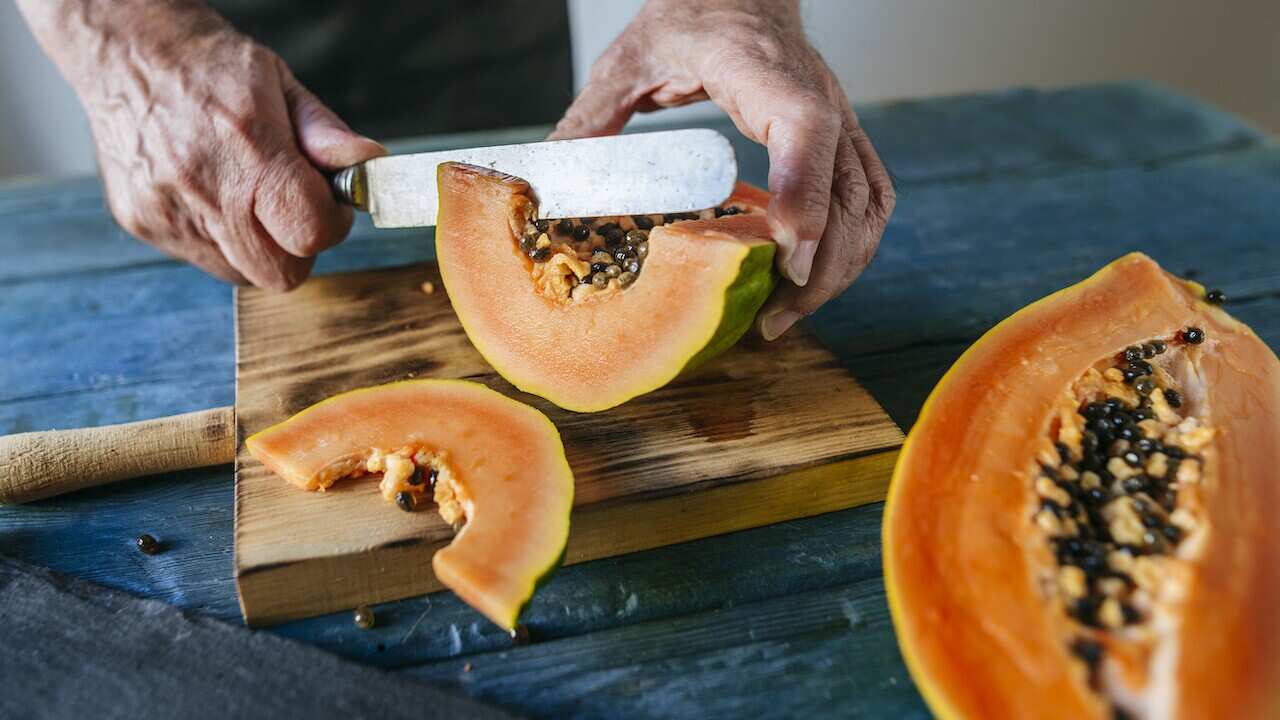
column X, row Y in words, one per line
column 832, row 196
column 209, row 148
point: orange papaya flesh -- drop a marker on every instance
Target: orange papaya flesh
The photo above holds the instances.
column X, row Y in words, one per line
column 1078, row 524
column 494, row 466
column 589, row 313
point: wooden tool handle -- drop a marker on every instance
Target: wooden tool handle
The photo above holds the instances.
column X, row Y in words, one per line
column 38, row 465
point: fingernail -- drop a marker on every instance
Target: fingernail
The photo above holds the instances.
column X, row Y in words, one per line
column 801, row 262
column 774, row 325
column 382, row 149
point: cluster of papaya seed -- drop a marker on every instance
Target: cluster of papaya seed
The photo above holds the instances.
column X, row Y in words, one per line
column 1110, row 509
column 412, row 479
column 612, row 248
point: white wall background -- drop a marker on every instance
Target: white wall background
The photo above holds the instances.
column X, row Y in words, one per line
column 1226, row 51
column 43, row 131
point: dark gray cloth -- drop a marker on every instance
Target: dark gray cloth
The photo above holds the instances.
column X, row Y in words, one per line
column 396, row 68
column 70, row 649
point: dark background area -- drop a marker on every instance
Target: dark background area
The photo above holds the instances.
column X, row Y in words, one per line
column 396, row 69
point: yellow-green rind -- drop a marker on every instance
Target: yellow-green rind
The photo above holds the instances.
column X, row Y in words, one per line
column 742, row 300
column 744, row 295
column 536, row 581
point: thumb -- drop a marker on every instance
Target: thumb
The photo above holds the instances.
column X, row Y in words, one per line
column 602, row 108
column 325, row 139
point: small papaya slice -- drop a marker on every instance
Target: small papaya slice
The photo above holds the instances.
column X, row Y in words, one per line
column 1079, row 524
column 494, row 466
column 591, row 312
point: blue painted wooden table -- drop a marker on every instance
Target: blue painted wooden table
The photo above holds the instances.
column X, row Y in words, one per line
column 1003, row 198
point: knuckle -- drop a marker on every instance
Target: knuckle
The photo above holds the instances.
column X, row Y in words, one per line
column 258, row 62
column 298, row 209
column 822, row 115
column 125, row 211
column 855, row 192
column 186, row 171
column 133, row 224
column 886, row 201
column 241, row 120
column 311, row 237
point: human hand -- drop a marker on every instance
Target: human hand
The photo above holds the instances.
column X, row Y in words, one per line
column 209, row 148
column 831, row 195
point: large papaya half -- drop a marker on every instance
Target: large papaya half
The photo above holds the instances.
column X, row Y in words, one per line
column 493, row 466
column 1079, row 524
column 591, row 312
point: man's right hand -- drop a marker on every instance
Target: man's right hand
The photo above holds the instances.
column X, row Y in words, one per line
column 209, row 148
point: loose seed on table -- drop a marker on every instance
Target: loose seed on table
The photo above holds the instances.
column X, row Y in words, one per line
column 147, row 544
column 363, row 617
column 1215, row 297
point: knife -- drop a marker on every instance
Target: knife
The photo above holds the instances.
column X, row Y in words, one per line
column 635, row 174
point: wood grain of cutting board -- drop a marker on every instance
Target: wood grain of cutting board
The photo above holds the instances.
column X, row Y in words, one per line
column 765, row 433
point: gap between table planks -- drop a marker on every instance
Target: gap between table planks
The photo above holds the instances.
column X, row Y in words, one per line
column 764, row 433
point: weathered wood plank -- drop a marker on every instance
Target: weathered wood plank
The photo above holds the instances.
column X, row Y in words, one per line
column 827, row 653
column 1045, row 132
column 770, row 562
column 959, row 257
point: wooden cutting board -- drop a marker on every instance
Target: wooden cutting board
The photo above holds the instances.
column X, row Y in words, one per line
column 765, row 433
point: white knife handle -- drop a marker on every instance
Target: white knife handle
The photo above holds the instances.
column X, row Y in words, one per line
column 351, row 186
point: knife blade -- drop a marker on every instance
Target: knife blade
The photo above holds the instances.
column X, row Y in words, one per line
column 634, row 174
